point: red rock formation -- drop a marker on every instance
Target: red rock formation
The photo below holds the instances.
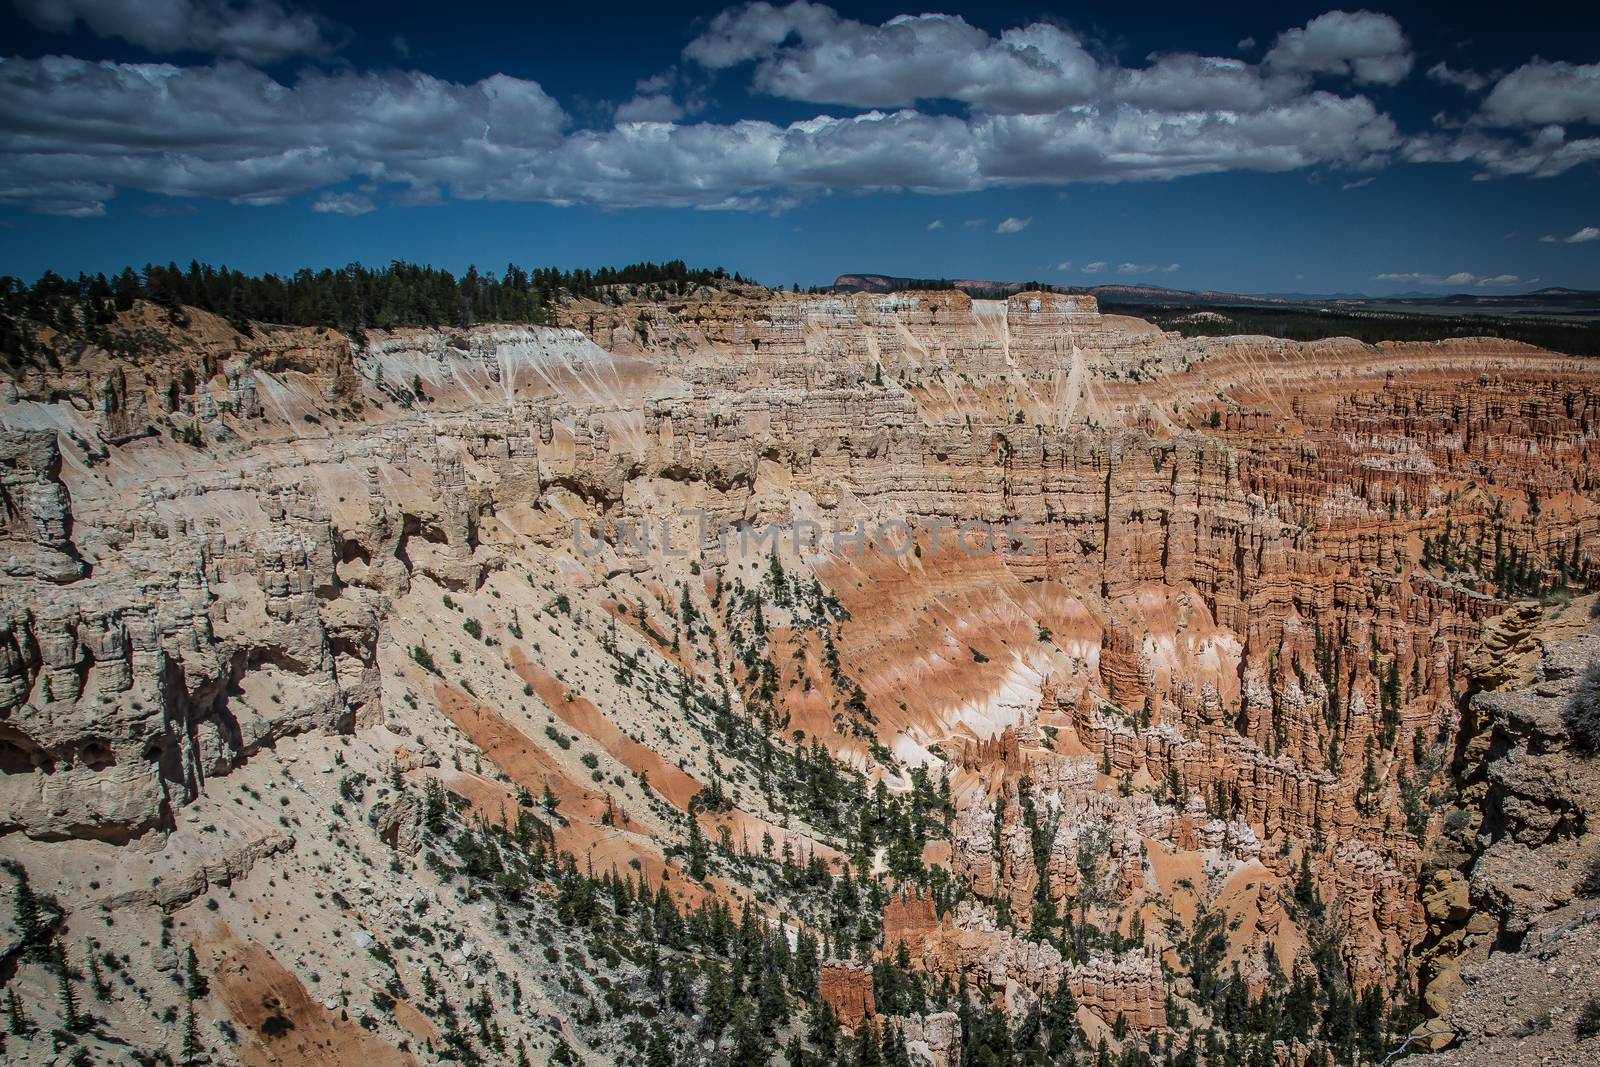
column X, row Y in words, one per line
column 909, row 919
column 1015, row 971
column 847, row 989
column 1120, row 667
column 1129, row 986
column 1003, row 751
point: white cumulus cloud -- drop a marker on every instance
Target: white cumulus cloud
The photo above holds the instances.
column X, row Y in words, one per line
column 806, row 51
column 1035, row 104
column 656, row 107
column 344, row 204
column 1467, row 80
column 1366, row 46
column 229, row 131
column 1540, row 153
column 1012, row 224
column 1458, row 280
column 256, row 31
column 1522, row 127
column 1044, row 108
column 1541, row 93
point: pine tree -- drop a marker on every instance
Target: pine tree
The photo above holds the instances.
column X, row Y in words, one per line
column 659, row 1052
column 895, row 1053
column 102, row 988
column 868, row 1048
column 1062, row 1020
column 698, row 850
column 1371, row 784
column 749, row 1046
column 29, row 917
column 680, row 991
column 191, row 1036
column 434, row 806
column 718, row 1002
column 17, row 1020
column 194, row 983
column 1305, row 886
column 772, row 1004
column 823, row 1029
column 70, row 1018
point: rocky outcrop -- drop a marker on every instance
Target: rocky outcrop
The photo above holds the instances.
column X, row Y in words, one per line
column 1522, row 1007
column 1129, row 987
column 1018, row 973
column 399, row 823
column 1508, row 650
column 932, row 1040
column 186, row 647
column 1519, row 836
column 36, row 539
column 847, row 989
column 1534, row 789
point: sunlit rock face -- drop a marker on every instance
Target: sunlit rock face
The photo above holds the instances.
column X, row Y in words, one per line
column 1181, row 628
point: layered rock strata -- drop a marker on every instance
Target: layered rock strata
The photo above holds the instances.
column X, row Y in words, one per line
column 1222, row 635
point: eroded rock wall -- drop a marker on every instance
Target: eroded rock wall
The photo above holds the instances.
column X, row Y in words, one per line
column 1254, row 579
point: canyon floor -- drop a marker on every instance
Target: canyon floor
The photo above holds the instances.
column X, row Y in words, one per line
column 731, row 676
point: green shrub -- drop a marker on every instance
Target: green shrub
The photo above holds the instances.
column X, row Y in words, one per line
column 1589, row 1019
column 1583, row 711
column 1589, row 884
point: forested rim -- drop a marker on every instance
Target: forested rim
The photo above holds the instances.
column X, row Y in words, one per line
column 357, row 297
column 350, row 298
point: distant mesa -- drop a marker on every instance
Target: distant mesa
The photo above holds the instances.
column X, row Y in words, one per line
column 980, row 288
column 1551, row 302
column 885, row 283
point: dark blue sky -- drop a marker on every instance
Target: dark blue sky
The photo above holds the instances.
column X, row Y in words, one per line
column 1338, row 158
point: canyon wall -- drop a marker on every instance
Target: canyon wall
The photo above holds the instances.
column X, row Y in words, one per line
column 1215, row 633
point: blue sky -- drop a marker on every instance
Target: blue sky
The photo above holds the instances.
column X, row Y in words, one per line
column 1268, row 148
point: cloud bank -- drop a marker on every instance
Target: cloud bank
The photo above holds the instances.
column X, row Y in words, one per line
column 1458, row 280
column 925, row 103
column 256, row 31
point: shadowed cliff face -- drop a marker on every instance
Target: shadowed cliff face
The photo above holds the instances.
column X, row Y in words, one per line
column 1512, row 886
column 1207, row 674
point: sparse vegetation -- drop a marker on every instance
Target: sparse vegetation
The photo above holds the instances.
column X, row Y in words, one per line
column 1583, row 710
column 424, row 659
column 1588, row 1024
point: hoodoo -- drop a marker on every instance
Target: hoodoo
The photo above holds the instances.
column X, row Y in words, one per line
column 926, row 667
